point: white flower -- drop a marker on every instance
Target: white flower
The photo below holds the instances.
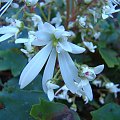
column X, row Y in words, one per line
column 90, row 46
column 63, row 94
column 42, row 4
column 55, row 41
column 5, row 7
column 113, row 88
column 94, row 13
column 36, row 19
column 97, row 83
column 87, row 74
column 108, row 10
column 71, row 24
column 31, row 2
column 28, row 44
column 11, row 30
column 50, row 91
column 57, row 20
column 14, row 22
column 102, row 98
column 82, row 21
column 97, row 35
column 114, row 2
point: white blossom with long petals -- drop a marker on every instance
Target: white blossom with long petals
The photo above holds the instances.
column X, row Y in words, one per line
column 51, row 86
column 10, row 30
column 113, row 88
column 28, row 44
column 90, row 46
column 108, row 10
column 55, row 41
column 57, row 20
column 87, row 74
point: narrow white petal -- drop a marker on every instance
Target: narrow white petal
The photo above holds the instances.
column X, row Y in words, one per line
column 104, row 16
column 50, row 94
column 40, row 42
column 66, row 33
column 8, row 29
column 4, row 6
column 88, row 91
column 76, row 49
column 40, row 25
column 34, row 66
column 65, row 45
column 21, row 40
column 48, row 27
column 5, row 37
column 66, row 72
column 61, row 28
column 58, row 33
column 43, row 36
column 98, row 69
column 74, row 70
column 49, row 69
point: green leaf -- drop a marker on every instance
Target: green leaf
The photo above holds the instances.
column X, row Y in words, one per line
column 17, row 105
column 110, row 111
column 109, row 56
column 12, row 60
column 13, row 84
column 52, row 111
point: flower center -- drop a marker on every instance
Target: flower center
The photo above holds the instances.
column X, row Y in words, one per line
column 54, row 41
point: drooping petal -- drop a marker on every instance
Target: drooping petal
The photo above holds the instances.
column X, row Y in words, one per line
column 76, row 49
column 74, row 70
column 21, row 40
column 98, row 69
column 50, row 94
column 88, row 91
column 66, row 72
column 49, row 69
column 5, row 37
column 34, row 66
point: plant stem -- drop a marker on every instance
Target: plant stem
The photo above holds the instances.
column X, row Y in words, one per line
column 67, row 14
column 56, row 75
column 42, row 13
column 49, row 13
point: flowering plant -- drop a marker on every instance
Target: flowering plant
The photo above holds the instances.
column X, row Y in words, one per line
column 64, row 54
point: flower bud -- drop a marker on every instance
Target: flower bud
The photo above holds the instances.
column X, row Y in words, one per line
column 31, row 2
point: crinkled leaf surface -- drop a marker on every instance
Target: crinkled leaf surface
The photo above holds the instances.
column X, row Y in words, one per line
column 12, row 60
column 52, row 111
column 15, row 103
column 108, row 55
column 110, row 111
